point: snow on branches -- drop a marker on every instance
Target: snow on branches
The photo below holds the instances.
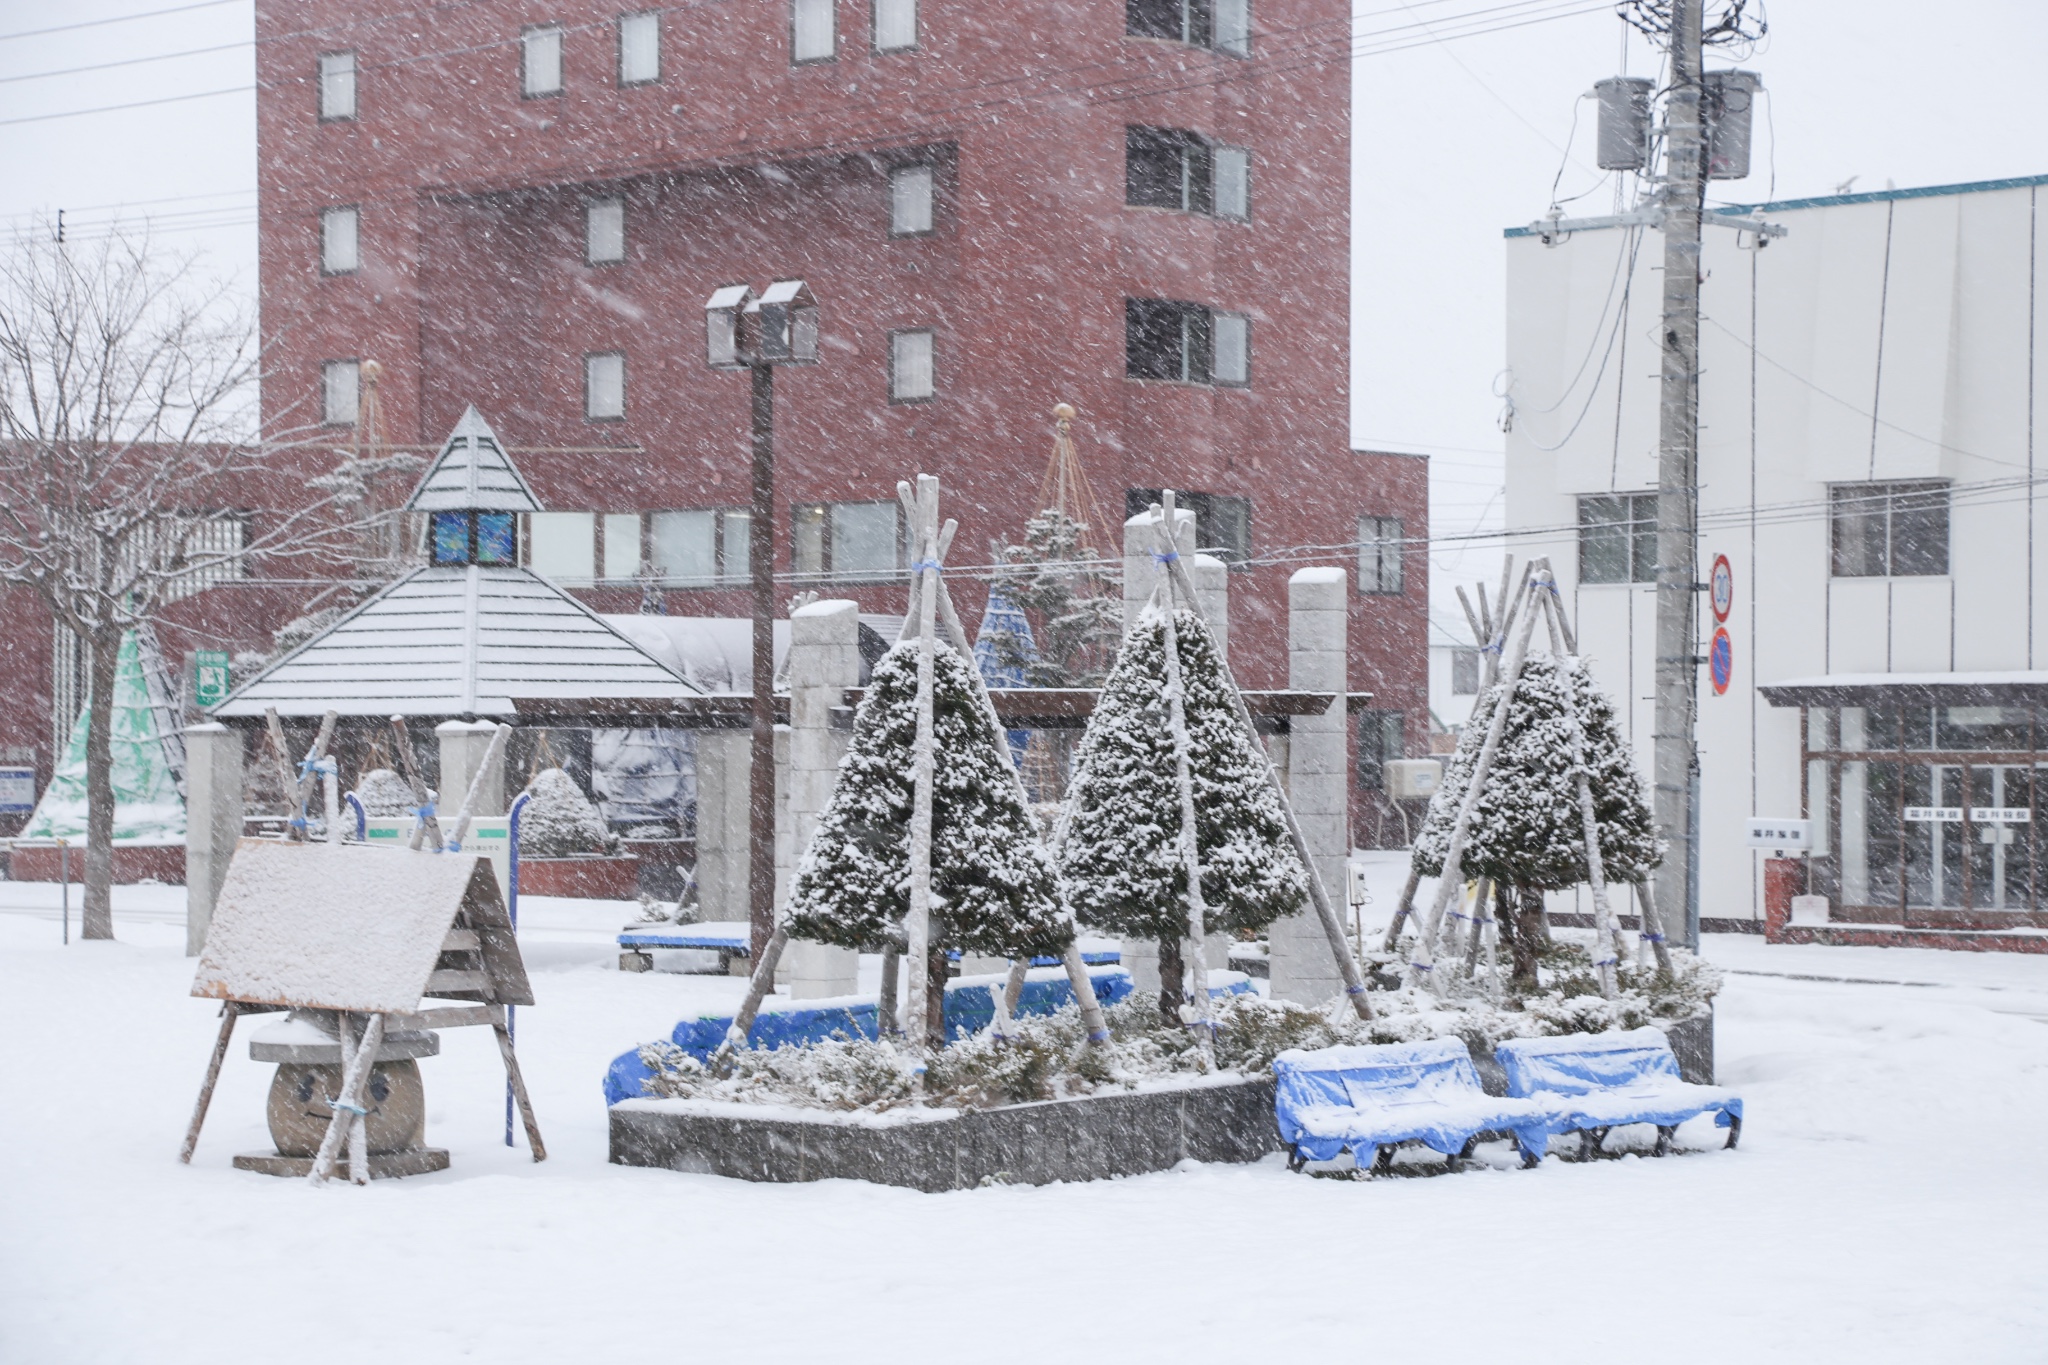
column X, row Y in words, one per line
column 560, row 821
column 993, row 889
column 1120, row 865
column 1527, row 830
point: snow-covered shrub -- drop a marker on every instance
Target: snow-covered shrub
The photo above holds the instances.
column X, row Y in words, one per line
column 560, row 821
column 384, row 793
column 993, row 889
column 1120, row 867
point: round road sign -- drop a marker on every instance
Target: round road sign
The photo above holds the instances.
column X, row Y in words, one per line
column 1723, row 583
column 1721, row 661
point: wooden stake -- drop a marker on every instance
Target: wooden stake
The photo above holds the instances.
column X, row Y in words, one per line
column 917, row 924
column 1195, row 1013
column 513, row 1078
column 758, row 985
column 355, row 1082
column 1404, row 910
column 1606, row 930
column 464, row 816
column 1319, row 895
column 430, row 827
column 358, row 1124
column 229, row 1012
column 1653, row 926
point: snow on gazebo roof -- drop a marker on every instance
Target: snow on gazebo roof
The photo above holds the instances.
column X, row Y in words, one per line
column 472, row 473
column 470, row 640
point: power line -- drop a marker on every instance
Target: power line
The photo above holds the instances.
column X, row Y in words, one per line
column 116, row 19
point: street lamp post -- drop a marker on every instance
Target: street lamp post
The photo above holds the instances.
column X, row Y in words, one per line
column 746, row 332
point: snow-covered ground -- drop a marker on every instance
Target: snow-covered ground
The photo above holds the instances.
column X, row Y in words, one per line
column 1888, row 1202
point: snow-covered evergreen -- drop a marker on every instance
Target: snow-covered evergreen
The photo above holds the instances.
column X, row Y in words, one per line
column 560, row 821
column 993, row 889
column 1120, row 866
column 384, row 793
column 1527, row 830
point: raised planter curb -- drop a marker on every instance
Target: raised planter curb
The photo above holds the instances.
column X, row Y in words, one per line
column 1898, row 936
column 1090, row 1138
column 133, row 863
column 587, row 878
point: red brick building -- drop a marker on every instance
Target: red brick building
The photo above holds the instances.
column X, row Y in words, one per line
column 1140, row 209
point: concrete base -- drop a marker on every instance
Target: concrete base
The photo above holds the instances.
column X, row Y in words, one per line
column 387, row 1166
column 1091, row 1138
column 1842, row 935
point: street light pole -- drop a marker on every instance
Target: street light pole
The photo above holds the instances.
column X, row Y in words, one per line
column 761, row 569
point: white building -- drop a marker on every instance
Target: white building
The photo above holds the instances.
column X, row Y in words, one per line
column 1870, row 387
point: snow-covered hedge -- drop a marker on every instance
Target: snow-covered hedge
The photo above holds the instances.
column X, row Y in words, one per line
column 384, row 793
column 560, row 822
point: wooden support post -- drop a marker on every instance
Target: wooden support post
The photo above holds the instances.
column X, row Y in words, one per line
column 1195, row 1013
column 1404, row 910
column 229, row 1012
column 1653, row 927
column 885, row 1000
column 355, row 1083
column 758, row 985
column 501, row 1028
column 1606, row 930
column 917, row 924
column 428, row 826
column 1319, row 895
column 477, row 783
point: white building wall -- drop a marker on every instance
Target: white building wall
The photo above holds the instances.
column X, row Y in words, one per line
column 1888, row 336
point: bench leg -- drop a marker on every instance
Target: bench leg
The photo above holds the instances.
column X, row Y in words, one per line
column 1383, row 1160
column 1295, row 1160
column 1457, row 1160
column 1589, row 1142
column 633, row 961
column 1734, row 1131
column 1665, row 1132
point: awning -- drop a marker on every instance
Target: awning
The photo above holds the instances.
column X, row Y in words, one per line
column 2014, row 688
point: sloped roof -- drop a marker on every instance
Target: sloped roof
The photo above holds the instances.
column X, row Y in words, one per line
column 472, row 472
column 457, row 641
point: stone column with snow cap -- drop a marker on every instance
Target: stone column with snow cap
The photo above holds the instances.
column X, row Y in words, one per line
column 1317, row 772
column 824, row 660
column 463, row 746
column 213, row 821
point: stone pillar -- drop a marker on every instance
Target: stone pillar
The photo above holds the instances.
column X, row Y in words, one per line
column 824, row 660
column 463, row 745
column 213, row 821
column 1141, row 570
column 1212, row 596
column 724, row 758
column 1318, row 785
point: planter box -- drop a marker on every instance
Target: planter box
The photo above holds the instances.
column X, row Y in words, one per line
column 132, row 863
column 1091, row 1138
column 592, row 878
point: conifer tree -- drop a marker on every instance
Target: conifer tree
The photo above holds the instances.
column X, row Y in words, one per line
column 1120, row 865
column 993, row 889
column 1527, row 831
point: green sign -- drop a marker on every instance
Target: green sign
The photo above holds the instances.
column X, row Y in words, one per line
column 209, row 678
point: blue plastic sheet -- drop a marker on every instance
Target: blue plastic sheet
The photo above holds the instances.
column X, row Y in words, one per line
column 1601, row 1080
column 1334, row 1099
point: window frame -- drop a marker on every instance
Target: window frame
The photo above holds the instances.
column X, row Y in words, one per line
column 931, row 201
column 1205, row 506
column 1202, row 23
column 355, row 213
column 1384, row 548
column 1217, row 152
column 1465, row 660
column 825, row 515
column 1638, row 543
column 355, row 93
column 1217, row 315
column 1372, row 771
column 1204, row 346
column 527, row 35
column 1196, row 185
column 875, row 27
column 1892, row 499
column 328, row 368
column 588, row 358
column 831, row 8
column 896, row 396
column 590, row 258
column 619, row 66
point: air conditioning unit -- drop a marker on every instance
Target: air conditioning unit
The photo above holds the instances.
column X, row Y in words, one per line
column 1413, row 779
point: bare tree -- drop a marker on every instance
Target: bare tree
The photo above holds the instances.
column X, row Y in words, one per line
column 128, row 422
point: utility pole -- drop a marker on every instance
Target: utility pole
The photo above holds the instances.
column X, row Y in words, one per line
column 1677, row 759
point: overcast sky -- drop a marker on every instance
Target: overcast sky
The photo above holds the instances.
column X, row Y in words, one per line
column 1455, row 139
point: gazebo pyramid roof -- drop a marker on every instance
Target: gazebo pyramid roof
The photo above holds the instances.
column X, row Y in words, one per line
column 472, row 473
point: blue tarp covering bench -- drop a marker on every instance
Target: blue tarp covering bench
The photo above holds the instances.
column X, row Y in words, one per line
column 731, row 939
column 1591, row 1082
column 1331, row 1100
column 970, row 1007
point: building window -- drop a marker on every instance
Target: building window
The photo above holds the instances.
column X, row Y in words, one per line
column 1167, row 168
column 1223, row 523
column 337, row 86
column 338, row 244
column 1233, row 182
column 1222, row 24
column 1618, row 538
column 604, row 231
column 1230, row 340
column 340, row 383
column 910, row 366
column 201, row 553
column 604, row 386
column 475, row 538
column 895, row 25
column 1464, row 672
column 699, row 549
column 639, row 48
column 1380, row 741
column 1889, row 530
column 813, row 31
column 910, row 201
column 620, row 553
column 563, row 545
column 540, row 61
column 1166, row 340
column 848, row 540
column 1379, row 555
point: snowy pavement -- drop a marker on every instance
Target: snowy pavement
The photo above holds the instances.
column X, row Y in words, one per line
column 1887, row 1203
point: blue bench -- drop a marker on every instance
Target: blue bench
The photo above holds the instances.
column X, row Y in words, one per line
column 1593, row 1082
column 1331, row 1100
column 733, row 942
